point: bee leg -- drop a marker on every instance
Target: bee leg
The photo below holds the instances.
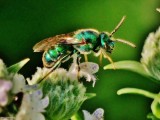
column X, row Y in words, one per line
column 78, row 63
column 108, row 57
column 51, row 70
column 86, row 57
column 56, row 65
column 100, row 58
column 100, row 54
column 78, row 74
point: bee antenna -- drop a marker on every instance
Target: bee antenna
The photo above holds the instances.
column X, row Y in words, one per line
column 126, row 42
column 117, row 27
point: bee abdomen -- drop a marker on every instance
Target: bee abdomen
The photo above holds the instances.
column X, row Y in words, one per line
column 49, row 58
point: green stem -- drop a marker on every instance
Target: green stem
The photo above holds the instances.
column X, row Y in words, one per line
column 137, row 91
column 76, row 117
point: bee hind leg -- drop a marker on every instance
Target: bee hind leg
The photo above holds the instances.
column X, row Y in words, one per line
column 51, row 70
column 75, row 67
column 78, row 63
column 55, row 65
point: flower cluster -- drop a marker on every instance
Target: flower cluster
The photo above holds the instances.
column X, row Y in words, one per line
column 17, row 99
column 66, row 94
column 57, row 96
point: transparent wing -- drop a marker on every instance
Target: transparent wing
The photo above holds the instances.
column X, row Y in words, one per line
column 50, row 42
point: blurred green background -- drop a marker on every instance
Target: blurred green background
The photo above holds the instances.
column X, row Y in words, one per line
column 25, row 22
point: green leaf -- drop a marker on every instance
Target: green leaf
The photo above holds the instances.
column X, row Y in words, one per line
column 16, row 67
column 152, row 117
column 130, row 65
column 155, row 107
column 137, row 91
column 90, row 95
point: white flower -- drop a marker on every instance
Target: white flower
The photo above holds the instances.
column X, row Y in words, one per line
column 57, row 74
column 39, row 75
column 18, row 83
column 97, row 114
column 87, row 70
column 32, row 106
column 5, row 86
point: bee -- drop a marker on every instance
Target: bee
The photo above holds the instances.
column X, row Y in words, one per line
column 60, row 48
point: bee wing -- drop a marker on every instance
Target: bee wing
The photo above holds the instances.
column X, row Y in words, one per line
column 50, row 42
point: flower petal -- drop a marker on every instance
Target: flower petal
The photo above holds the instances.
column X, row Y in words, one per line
column 98, row 114
column 87, row 115
column 89, row 67
column 18, row 83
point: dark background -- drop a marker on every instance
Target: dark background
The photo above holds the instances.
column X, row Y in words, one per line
column 25, row 22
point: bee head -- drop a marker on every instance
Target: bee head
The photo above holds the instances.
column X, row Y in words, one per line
column 106, row 42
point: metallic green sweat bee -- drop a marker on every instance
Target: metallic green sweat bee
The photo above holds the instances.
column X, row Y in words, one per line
column 60, row 48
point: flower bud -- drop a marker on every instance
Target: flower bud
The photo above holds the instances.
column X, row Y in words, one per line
column 65, row 95
column 151, row 54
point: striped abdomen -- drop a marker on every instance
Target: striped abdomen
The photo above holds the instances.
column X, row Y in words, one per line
column 56, row 54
